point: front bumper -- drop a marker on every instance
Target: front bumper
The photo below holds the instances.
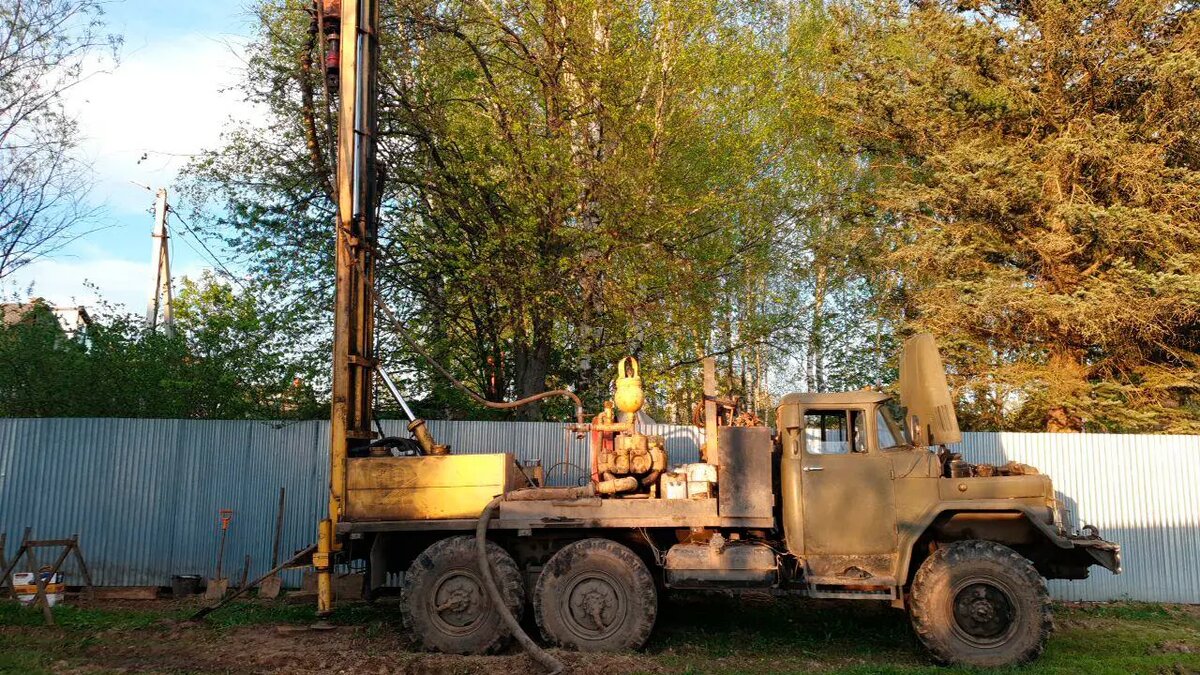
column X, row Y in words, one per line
column 1105, row 553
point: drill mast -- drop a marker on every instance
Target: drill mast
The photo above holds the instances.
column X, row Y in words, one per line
column 357, row 197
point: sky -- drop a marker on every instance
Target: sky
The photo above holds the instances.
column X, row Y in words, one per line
column 170, row 96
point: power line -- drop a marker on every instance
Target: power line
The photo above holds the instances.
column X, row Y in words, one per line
column 212, row 257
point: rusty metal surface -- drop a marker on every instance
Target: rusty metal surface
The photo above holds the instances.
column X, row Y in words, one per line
column 745, row 472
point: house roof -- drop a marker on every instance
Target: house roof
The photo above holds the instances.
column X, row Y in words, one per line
column 12, row 313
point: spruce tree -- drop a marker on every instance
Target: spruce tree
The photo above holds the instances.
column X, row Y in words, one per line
column 1042, row 196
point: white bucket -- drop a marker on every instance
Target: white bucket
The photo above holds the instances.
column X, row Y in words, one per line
column 25, row 586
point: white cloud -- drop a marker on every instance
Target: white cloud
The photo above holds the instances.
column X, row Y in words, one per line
column 64, row 281
column 166, row 100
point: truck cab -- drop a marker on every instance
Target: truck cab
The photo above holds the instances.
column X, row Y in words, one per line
column 862, row 505
column 875, row 505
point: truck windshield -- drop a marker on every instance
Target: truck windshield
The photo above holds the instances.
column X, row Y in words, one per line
column 890, row 435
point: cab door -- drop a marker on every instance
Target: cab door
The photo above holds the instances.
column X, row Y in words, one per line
column 846, row 485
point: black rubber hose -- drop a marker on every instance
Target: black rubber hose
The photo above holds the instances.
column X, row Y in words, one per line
column 553, row 665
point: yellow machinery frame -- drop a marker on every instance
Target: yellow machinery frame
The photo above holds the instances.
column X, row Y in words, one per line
column 353, row 334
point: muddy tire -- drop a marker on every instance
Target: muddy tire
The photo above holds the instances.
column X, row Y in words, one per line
column 446, row 605
column 595, row 595
column 979, row 603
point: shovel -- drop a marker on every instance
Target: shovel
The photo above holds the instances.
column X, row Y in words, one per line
column 270, row 587
column 216, row 587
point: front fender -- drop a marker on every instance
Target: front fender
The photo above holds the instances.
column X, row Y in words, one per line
column 1098, row 551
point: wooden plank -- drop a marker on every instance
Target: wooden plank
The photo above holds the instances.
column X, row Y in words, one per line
column 565, row 522
column 126, row 592
column 346, row 527
column 607, row 509
column 581, row 513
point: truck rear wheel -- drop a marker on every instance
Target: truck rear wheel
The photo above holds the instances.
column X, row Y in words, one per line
column 595, row 595
column 979, row 603
column 445, row 602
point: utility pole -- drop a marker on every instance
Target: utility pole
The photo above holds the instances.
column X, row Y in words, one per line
column 160, row 257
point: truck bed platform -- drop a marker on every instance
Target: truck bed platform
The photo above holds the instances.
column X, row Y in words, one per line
column 588, row 513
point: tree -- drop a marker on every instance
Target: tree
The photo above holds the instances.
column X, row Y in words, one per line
column 226, row 361
column 242, row 364
column 44, row 50
column 1040, row 173
column 566, row 182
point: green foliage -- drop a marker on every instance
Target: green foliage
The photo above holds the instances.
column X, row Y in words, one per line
column 566, row 182
column 223, row 362
column 1039, row 175
column 791, row 186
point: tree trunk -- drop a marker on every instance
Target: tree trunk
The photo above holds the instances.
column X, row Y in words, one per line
column 532, row 366
column 816, row 341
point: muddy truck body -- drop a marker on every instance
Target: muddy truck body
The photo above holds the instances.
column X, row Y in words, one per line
column 836, row 500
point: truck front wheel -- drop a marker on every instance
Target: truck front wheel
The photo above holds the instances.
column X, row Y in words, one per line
column 446, row 605
column 595, row 595
column 979, row 603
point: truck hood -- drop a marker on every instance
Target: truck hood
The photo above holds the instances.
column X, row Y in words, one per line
column 925, row 395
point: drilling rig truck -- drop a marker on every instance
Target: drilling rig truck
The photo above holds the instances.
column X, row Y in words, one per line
column 841, row 498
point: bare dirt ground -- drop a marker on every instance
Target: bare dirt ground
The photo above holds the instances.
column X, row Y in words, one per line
column 750, row 634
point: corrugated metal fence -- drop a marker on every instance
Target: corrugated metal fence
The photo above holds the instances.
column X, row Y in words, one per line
column 144, row 494
column 1142, row 491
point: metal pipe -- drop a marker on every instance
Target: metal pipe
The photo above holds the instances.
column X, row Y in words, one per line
column 420, row 431
column 550, row 494
column 324, row 567
column 387, row 381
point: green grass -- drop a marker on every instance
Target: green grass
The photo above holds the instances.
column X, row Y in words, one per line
column 81, row 618
column 27, row 645
column 727, row 635
column 698, row 635
column 235, row 614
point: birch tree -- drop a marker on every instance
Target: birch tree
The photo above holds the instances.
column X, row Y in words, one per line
column 45, row 47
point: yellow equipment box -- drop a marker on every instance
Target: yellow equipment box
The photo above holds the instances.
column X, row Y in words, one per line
column 429, row 487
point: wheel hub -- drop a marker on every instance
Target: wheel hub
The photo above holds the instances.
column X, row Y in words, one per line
column 595, row 606
column 457, row 602
column 983, row 613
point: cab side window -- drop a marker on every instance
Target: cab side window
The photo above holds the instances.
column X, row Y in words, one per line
column 835, row 432
column 825, row 433
column 858, row 431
